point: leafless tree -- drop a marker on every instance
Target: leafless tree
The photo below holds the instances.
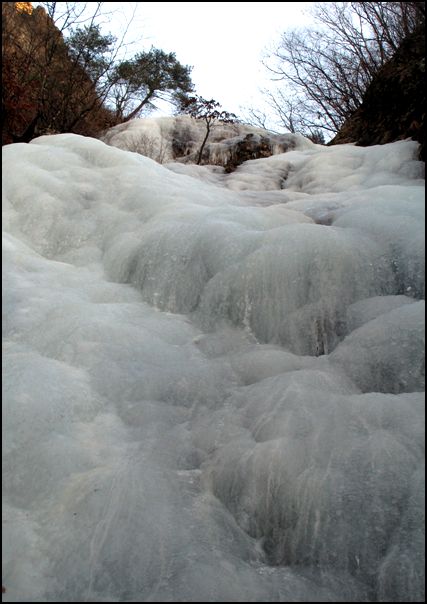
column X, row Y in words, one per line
column 257, row 117
column 61, row 73
column 45, row 76
column 324, row 70
column 149, row 146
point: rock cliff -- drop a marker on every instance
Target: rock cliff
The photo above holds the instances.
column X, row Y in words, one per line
column 394, row 104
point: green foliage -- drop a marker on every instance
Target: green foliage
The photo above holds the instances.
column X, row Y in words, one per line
column 91, row 49
column 61, row 76
column 208, row 111
column 148, row 76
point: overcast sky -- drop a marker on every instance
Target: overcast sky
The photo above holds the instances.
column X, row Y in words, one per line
column 223, row 41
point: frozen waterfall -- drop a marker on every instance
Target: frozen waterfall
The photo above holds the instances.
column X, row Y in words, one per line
column 213, row 383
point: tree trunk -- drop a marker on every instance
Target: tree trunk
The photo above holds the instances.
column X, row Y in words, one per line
column 208, row 129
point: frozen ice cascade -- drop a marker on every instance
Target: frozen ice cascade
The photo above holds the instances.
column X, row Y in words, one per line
column 213, row 383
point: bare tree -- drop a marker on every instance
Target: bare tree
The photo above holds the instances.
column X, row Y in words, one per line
column 324, row 70
column 290, row 113
column 256, row 117
column 58, row 88
column 147, row 145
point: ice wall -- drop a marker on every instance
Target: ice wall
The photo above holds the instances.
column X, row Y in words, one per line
column 213, row 383
column 180, row 138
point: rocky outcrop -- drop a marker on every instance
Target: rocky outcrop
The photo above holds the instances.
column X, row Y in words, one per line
column 44, row 89
column 251, row 147
column 178, row 139
column 232, row 152
column 394, row 104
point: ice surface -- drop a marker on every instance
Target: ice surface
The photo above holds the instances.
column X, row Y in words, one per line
column 212, row 382
column 180, row 138
column 387, row 353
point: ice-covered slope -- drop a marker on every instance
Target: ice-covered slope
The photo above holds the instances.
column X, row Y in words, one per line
column 180, row 138
column 212, row 383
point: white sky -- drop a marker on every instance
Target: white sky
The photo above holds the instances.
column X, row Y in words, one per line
column 223, row 41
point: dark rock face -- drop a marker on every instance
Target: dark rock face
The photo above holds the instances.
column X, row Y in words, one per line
column 44, row 90
column 251, row 147
column 231, row 151
column 254, row 146
column 393, row 107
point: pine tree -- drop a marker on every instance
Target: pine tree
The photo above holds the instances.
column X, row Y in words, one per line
column 208, row 111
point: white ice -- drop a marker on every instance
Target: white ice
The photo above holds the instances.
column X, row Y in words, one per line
column 179, row 138
column 212, row 383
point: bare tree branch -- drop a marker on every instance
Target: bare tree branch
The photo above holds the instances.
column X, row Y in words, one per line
column 325, row 70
